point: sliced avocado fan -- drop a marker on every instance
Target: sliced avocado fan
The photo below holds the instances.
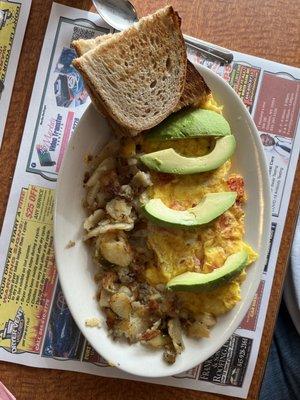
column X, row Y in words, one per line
column 190, row 123
column 169, row 161
column 196, row 282
column 210, row 207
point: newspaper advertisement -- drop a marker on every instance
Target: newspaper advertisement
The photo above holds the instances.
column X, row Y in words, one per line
column 36, row 326
column 13, row 21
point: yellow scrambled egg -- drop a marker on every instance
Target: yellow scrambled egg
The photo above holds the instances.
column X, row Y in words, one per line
column 202, row 249
column 205, row 248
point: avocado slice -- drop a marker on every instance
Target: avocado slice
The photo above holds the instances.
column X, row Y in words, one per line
column 169, row 161
column 189, row 124
column 210, row 207
column 196, row 282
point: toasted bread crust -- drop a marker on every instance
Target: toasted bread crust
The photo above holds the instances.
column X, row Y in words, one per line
column 82, row 46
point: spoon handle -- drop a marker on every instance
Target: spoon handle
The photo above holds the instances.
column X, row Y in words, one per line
column 212, row 50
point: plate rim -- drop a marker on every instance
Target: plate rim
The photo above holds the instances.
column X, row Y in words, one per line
column 266, row 191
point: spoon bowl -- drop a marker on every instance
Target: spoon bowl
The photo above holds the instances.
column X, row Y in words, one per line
column 119, row 14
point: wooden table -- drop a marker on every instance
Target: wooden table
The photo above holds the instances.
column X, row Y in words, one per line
column 251, row 26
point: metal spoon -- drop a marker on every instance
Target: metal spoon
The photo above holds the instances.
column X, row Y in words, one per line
column 121, row 14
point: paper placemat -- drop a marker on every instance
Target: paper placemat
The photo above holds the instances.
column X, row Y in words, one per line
column 36, row 327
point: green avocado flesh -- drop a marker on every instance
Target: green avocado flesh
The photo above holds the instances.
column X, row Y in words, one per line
column 196, row 282
column 169, row 161
column 190, row 123
column 210, row 207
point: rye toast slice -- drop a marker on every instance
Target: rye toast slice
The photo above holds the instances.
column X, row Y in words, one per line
column 195, row 89
column 136, row 77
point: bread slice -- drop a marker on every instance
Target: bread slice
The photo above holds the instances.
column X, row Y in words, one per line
column 195, row 89
column 137, row 76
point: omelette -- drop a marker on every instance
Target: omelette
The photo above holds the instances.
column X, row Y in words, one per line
column 203, row 249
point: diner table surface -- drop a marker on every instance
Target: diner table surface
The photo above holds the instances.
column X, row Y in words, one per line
column 268, row 29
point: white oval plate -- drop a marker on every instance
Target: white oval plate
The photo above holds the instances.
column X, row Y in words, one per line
column 75, row 266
